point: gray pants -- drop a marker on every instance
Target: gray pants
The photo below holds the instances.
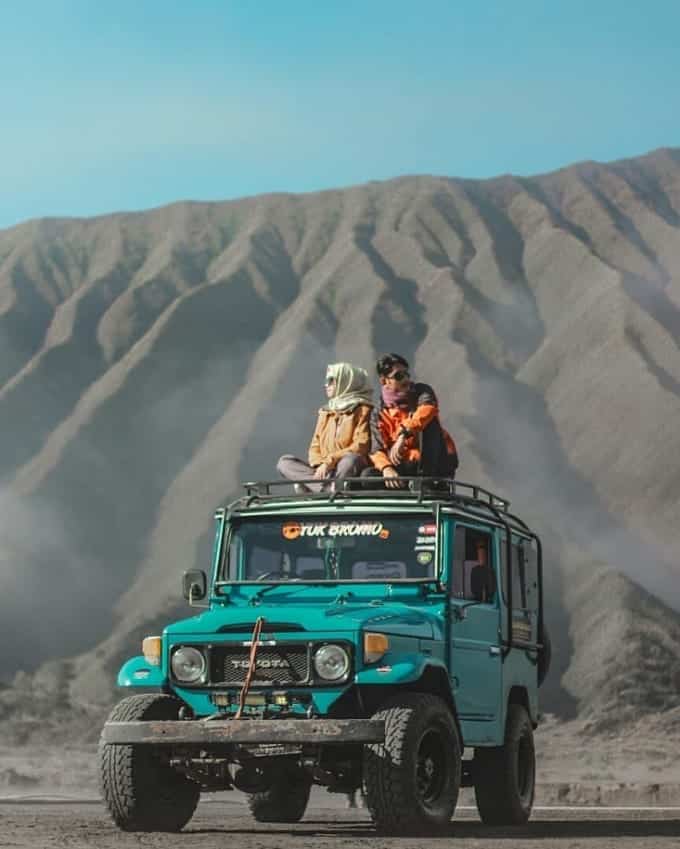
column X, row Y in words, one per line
column 294, row 469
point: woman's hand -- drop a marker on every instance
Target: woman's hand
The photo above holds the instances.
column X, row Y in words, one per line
column 321, row 472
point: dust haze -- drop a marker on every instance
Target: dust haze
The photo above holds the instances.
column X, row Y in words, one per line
column 192, row 356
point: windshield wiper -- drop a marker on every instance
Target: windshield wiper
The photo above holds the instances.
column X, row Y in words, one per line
column 258, row 595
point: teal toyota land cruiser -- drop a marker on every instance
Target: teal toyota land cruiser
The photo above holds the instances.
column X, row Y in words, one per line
column 389, row 641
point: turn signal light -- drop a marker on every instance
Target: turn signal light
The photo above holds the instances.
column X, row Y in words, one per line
column 375, row 646
column 151, row 649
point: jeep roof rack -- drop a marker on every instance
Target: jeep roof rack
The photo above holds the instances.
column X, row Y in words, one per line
column 475, row 500
column 446, row 490
column 420, row 487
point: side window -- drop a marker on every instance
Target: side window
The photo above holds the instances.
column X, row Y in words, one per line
column 523, row 572
column 458, row 582
column 531, row 573
column 473, row 575
column 519, row 586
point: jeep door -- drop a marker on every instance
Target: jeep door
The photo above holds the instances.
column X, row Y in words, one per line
column 475, row 616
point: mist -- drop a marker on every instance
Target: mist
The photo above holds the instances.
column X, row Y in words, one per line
column 212, row 344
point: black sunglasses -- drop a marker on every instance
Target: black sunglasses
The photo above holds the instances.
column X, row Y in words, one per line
column 328, row 381
column 399, row 375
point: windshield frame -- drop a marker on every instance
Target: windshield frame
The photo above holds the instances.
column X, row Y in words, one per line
column 430, row 517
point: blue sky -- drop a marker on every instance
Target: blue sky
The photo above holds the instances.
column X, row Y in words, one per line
column 131, row 105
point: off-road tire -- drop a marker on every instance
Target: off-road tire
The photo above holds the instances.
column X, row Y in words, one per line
column 284, row 801
column 141, row 792
column 505, row 776
column 412, row 779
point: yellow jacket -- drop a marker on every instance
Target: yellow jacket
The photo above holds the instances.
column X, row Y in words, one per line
column 340, row 433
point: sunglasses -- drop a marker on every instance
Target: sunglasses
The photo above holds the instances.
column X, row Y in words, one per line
column 399, row 375
column 329, row 381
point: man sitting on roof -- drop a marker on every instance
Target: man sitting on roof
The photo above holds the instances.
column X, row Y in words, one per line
column 407, row 438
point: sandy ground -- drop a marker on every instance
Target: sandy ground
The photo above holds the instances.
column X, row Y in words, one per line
column 641, row 766
column 220, row 823
column 602, row 791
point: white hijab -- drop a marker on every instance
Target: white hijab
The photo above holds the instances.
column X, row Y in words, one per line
column 352, row 387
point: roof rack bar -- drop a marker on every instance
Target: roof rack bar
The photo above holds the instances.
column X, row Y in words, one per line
column 359, row 487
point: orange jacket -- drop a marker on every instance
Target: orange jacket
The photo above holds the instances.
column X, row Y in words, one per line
column 337, row 434
column 387, row 422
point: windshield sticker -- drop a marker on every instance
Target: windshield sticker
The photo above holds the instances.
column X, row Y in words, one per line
column 424, row 557
column 294, row 530
column 428, row 530
column 291, row 530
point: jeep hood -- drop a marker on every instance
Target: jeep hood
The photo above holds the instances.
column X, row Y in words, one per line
column 424, row 621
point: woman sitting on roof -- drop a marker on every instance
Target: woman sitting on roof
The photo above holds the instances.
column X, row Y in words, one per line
column 342, row 437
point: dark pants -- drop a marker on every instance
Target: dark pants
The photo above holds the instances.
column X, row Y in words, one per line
column 435, row 459
column 294, row 469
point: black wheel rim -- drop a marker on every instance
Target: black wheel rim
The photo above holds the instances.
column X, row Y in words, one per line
column 525, row 769
column 432, row 768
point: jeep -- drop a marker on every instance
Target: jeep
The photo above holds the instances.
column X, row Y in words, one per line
column 387, row 641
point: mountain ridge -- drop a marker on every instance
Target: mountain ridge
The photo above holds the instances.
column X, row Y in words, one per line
column 151, row 360
column 47, row 220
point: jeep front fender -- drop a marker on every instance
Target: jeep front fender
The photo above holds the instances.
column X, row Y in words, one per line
column 398, row 669
column 138, row 672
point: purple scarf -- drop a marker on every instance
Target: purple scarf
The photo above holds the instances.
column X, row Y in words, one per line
column 396, row 397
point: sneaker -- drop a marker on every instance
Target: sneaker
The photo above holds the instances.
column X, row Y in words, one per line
column 301, row 488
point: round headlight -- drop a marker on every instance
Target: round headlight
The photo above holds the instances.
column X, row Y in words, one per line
column 331, row 662
column 188, row 665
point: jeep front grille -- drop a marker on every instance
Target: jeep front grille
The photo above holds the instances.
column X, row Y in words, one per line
column 277, row 666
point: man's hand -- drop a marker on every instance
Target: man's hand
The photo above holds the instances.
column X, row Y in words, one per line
column 321, row 472
column 397, row 450
column 390, row 477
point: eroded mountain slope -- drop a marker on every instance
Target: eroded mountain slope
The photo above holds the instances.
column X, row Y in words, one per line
column 150, row 361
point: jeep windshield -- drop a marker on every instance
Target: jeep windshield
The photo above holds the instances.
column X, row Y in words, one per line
column 328, row 548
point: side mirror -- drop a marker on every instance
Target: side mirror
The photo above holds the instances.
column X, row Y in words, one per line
column 483, row 583
column 194, row 585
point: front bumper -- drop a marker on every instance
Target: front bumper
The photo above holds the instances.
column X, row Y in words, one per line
column 245, row 731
